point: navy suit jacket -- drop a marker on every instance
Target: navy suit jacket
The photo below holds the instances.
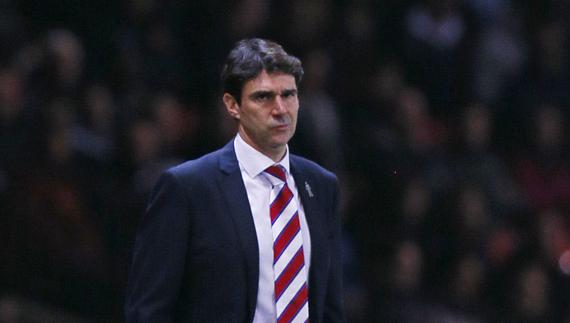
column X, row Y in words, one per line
column 196, row 255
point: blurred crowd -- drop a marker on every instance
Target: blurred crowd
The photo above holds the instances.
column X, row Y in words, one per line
column 445, row 120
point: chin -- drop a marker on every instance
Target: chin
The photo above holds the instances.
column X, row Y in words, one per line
column 281, row 140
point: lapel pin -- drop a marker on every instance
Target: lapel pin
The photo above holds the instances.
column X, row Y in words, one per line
column 308, row 189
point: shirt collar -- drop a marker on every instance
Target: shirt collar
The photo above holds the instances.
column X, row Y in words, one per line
column 253, row 161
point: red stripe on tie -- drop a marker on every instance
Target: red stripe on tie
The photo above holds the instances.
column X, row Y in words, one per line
column 285, row 237
column 280, row 202
column 289, row 273
column 295, row 305
column 277, row 171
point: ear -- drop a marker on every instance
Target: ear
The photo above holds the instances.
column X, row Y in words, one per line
column 232, row 105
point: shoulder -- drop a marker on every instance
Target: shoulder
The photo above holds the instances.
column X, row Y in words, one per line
column 311, row 168
column 205, row 163
column 204, row 168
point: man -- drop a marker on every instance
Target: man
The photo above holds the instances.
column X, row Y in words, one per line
column 248, row 233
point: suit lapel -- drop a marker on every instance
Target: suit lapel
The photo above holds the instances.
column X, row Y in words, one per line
column 318, row 237
column 235, row 195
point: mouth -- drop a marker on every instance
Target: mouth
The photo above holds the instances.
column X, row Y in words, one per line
column 281, row 127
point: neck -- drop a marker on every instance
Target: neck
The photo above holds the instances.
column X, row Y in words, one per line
column 274, row 153
column 276, row 157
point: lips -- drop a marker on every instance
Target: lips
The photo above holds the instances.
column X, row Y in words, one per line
column 281, row 123
column 281, row 126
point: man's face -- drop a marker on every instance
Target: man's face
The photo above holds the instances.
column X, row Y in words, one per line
column 268, row 112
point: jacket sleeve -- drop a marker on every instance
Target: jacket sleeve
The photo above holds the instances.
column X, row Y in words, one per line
column 159, row 253
column 334, row 311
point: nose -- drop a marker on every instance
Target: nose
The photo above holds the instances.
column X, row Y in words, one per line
column 280, row 106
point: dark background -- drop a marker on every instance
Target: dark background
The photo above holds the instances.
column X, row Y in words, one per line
column 446, row 122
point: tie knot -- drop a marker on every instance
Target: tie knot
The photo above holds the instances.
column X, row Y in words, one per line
column 277, row 171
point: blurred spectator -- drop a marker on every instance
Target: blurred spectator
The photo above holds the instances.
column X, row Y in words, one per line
column 178, row 125
column 423, row 137
column 355, row 295
column 68, row 57
column 319, row 132
column 59, row 250
column 381, row 101
column 466, row 288
column 477, row 163
column 544, row 171
column 472, row 221
column 147, row 145
column 552, row 63
column 554, row 235
column 248, row 18
column 352, row 45
column 305, row 22
column 436, row 34
column 407, row 272
column 532, row 303
column 502, row 53
column 14, row 123
column 488, row 11
column 57, row 66
column 94, row 134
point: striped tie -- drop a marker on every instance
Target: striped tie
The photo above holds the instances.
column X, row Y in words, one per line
column 291, row 290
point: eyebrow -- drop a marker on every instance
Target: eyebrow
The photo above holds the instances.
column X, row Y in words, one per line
column 289, row 91
column 268, row 92
column 261, row 92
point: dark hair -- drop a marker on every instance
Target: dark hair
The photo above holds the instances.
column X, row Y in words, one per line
column 250, row 57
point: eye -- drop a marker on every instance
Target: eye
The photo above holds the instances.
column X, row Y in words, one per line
column 289, row 94
column 262, row 97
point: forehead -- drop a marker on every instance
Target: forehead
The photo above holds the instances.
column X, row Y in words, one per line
column 275, row 81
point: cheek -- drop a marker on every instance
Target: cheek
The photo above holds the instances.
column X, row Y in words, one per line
column 255, row 117
column 260, row 120
column 294, row 112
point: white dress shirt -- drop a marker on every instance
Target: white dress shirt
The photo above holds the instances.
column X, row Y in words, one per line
column 252, row 163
